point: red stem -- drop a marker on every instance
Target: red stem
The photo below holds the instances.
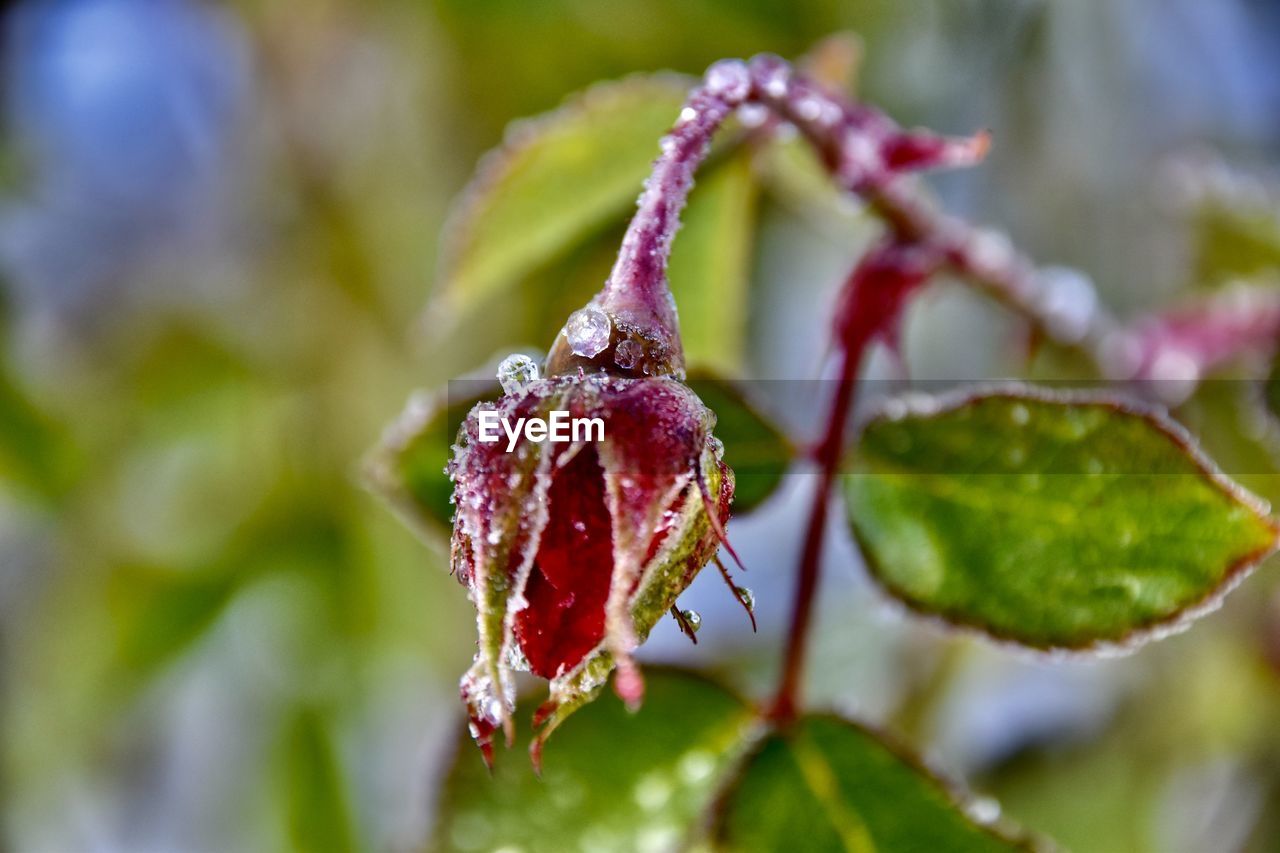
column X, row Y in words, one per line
column 785, row 702
column 870, row 306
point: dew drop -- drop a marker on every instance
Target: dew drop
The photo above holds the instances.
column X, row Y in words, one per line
column 776, row 81
column 588, row 331
column 1020, row 414
column 693, row 619
column 748, row 598
column 1175, row 374
column 809, row 108
column 990, row 250
column 687, row 115
column 696, row 766
column 628, row 354
column 983, row 810
column 516, row 372
column 895, row 409
column 753, row 115
column 652, row 792
column 859, row 153
column 717, row 448
column 1069, row 302
column 1121, row 353
column 730, row 79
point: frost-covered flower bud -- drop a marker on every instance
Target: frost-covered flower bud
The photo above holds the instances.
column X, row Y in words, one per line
column 572, row 551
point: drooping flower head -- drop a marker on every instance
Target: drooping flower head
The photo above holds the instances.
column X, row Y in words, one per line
column 572, row 551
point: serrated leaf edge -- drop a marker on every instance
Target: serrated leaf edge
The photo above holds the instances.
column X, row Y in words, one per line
column 925, row 405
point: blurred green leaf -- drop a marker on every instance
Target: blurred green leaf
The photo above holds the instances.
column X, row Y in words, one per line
column 828, row 785
column 1053, row 521
column 710, row 264
column 555, row 180
column 757, row 450
column 1235, row 242
column 34, row 452
column 611, row 780
column 407, row 467
column 318, row 808
column 163, row 613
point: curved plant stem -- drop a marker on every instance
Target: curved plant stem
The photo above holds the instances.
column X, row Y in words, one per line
column 867, row 154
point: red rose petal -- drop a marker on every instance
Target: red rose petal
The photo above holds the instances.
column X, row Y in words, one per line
column 570, row 580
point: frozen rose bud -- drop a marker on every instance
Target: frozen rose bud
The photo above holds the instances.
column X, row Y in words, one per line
column 572, row 551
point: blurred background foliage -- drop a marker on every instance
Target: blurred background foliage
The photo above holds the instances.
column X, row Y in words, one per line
column 218, row 231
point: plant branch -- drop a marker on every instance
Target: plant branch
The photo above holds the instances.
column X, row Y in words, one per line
column 870, row 308
column 867, row 154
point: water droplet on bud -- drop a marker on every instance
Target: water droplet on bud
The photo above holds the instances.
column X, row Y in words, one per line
column 748, row 598
column 588, row 331
column 693, row 619
column 628, row 354
column 516, row 372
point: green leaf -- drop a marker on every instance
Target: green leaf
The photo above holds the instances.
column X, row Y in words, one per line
column 407, row 467
column 162, row 614
column 554, row 181
column 318, row 809
column 828, row 785
column 1236, row 241
column 611, row 780
column 1056, row 521
column 757, row 451
column 35, row 453
column 710, row 264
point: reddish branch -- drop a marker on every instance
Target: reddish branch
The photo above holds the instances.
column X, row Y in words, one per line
column 871, row 305
column 867, row 154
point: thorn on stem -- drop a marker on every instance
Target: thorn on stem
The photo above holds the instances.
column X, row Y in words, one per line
column 687, row 627
column 744, row 596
